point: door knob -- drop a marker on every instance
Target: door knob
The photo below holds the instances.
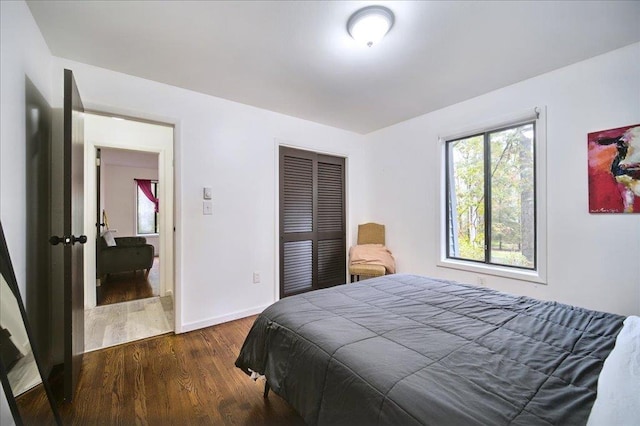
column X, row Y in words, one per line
column 67, row 241
column 55, row 240
column 81, row 239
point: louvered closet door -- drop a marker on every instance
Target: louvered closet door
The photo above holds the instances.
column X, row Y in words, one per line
column 312, row 224
column 331, row 227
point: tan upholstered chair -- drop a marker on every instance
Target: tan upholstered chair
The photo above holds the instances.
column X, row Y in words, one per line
column 368, row 233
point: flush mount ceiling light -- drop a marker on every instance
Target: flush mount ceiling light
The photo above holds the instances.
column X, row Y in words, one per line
column 369, row 24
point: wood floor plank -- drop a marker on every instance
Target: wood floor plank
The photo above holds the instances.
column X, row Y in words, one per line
column 127, row 286
column 186, row 379
column 155, row 381
column 139, row 355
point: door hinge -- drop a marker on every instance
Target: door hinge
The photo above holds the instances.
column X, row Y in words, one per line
column 98, row 162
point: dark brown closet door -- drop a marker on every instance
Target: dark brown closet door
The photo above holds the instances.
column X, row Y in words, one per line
column 312, row 221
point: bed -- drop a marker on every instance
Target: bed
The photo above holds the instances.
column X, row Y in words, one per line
column 409, row 350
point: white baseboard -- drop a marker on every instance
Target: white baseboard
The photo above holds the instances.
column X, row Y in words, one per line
column 221, row 319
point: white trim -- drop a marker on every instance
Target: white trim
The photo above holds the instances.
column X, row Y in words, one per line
column 496, row 123
column 276, row 251
column 164, row 149
column 222, row 319
column 540, row 274
column 499, row 271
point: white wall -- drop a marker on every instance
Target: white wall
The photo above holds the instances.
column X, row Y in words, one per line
column 120, row 198
column 232, row 148
column 23, row 53
column 593, row 260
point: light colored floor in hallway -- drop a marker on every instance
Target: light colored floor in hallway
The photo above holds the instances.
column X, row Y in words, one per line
column 24, row 374
column 111, row 325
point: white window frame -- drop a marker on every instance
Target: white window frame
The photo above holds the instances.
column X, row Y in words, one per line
column 539, row 274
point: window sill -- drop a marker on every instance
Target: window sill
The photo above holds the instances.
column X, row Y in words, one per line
column 147, row 235
column 499, row 271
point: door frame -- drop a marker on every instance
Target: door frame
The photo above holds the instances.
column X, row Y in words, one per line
column 166, row 177
column 347, row 223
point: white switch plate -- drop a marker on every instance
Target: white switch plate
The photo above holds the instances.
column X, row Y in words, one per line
column 256, row 277
column 207, row 207
column 206, row 192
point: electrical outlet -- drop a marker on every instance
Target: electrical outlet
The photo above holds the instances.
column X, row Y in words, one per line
column 207, row 207
column 481, row 281
column 256, row 277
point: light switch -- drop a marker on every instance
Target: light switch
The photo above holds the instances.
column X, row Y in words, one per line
column 206, row 193
column 207, row 207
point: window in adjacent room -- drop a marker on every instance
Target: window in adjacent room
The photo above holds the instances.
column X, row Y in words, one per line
column 146, row 207
column 491, row 197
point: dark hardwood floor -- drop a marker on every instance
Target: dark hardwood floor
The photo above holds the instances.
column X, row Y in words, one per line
column 171, row 380
column 128, row 286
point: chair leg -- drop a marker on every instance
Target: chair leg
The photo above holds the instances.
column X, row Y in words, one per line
column 266, row 389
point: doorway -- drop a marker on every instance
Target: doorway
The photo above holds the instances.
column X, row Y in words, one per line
column 128, row 295
column 127, row 203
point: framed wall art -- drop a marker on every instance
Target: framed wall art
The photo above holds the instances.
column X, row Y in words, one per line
column 614, row 170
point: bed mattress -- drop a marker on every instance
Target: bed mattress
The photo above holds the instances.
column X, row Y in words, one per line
column 407, row 349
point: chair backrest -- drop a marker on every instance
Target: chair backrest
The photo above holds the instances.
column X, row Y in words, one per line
column 371, row 233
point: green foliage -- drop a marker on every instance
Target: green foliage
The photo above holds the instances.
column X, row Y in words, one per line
column 469, row 250
column 468, row 177
column 511, row 177
column 513, row 258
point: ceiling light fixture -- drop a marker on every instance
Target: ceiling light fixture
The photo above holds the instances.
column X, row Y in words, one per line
column 369, row 24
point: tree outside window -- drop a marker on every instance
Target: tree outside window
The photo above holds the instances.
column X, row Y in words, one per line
column 491, row 197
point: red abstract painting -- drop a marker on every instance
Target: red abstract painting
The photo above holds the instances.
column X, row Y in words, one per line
column 614, row 170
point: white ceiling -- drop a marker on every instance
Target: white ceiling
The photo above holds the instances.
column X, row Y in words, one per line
column 295, row 57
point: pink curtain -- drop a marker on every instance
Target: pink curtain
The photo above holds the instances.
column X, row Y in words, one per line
column 145, row 187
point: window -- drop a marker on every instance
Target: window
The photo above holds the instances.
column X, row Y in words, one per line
column 491, row 197
column 147, row 217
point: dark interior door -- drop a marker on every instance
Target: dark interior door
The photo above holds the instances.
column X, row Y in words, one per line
column 71, row 223
column 74, row 226
column 38, row 217
column 312, row 221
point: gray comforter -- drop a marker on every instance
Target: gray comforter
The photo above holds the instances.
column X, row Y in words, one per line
column 405, row 350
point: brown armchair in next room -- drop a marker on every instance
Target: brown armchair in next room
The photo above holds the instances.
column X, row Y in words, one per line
column 129, row 254
column 370, row 258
